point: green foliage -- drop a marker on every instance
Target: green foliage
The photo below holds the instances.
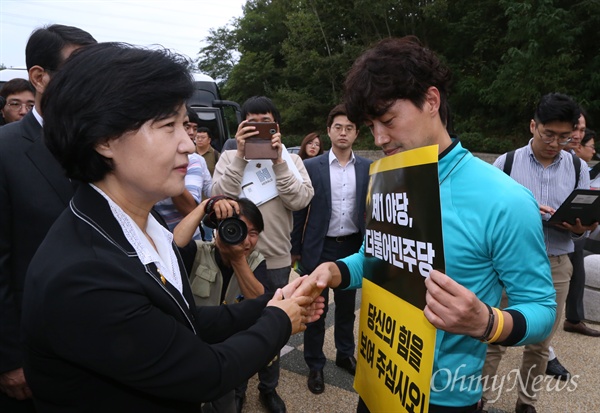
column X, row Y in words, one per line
column 504, row 54
column 219, row 57
column 477, row 142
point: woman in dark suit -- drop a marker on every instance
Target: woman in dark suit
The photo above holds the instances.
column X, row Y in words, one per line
column 109, row 318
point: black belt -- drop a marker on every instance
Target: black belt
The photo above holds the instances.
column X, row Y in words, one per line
column 343, row 238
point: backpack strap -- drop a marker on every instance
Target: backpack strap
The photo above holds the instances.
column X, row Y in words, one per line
column 508, row 162
column 510, row 157
column 577, row 165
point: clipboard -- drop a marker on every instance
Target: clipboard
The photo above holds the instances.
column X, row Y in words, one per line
column 581, row 203
column 259, row 183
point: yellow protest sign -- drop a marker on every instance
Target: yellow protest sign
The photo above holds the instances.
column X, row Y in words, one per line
column 403, row 242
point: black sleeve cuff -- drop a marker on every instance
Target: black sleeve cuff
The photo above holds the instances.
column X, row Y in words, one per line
column 518, row 331
column 345, row 272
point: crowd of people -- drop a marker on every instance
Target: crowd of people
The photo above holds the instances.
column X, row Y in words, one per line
column 143, row 270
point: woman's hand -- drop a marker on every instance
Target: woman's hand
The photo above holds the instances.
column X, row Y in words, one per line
column 300, row 310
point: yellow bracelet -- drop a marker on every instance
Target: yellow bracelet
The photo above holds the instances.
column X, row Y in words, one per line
column 498, row 331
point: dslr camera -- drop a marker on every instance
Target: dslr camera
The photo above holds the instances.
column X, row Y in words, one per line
column 232, row 230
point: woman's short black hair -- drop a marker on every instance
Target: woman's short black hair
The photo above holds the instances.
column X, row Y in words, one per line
column 104, row 91
column 249, row 210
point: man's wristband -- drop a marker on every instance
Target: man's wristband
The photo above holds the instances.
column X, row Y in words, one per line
column 489, row 327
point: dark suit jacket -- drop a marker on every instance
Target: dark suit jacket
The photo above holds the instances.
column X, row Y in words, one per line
column 311, row 223
column 33, row 193
column 104, row 334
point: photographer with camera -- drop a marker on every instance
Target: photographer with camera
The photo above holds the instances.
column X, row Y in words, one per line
column 228, row 269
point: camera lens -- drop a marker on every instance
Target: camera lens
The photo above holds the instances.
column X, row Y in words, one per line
column 273, row 131
column 232, row 230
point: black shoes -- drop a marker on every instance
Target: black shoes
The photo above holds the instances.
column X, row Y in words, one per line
column 272, row 402
column 525, row 408
column 348, row 364
column 557, row 370
column 316, row 383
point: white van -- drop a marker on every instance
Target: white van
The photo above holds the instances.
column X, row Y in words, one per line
column 13, row 73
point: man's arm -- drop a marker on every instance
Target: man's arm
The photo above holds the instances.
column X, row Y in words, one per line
column 294, row 194
column 194, row 184
column 298, row 233
column 184, row 203
column 12, row 379
column 229, row 171
column 247, row 279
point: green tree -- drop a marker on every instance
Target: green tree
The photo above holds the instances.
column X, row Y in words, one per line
column 218, row 58
column 504, row 55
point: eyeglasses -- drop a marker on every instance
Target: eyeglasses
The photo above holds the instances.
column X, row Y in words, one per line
column 17, row 106
column 589, row 146
column 349, row 128
column 549, row 137
column 314, row 144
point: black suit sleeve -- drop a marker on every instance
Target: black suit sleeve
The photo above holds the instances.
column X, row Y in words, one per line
column 113, row 328
column 298, row 230
column 10, row 349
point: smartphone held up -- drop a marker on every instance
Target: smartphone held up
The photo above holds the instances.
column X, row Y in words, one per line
column 259, row 146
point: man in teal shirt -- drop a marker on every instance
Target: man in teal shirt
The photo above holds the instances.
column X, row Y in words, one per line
column 492, row 230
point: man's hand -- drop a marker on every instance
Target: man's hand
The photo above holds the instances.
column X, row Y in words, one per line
column 243, row 132
column 545, row 209
column 231, row 253
column 452, row 307
column 325, row 275
column 578, row 228
column 13, row 384
column 276, row 144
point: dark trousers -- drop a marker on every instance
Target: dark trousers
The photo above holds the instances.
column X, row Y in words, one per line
column 574, row 303
column 314, row 335
column 433, row 408
column 10, row 405
column 268, row 376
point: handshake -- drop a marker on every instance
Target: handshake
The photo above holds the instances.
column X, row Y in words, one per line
column 301, row 299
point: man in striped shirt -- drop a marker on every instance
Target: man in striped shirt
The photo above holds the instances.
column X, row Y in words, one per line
column 549, row 173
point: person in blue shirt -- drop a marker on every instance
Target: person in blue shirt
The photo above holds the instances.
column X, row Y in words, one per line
column 551, row 174
column 491, row 225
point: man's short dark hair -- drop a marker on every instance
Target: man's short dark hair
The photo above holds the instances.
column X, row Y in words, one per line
column 557, row 107
column 193, row 116
column 103, row 92
column 45, row 45
column 339, row 110
column 14, row 86
column 204, row 129
column 249, row 210
column 260, row 104
column 392, row 69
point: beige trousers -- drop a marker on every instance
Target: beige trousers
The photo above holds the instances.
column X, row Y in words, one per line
column 535, row 356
